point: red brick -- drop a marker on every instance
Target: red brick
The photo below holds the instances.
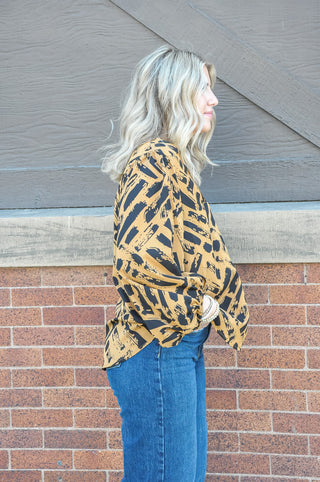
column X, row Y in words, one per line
column 98, row 459
column 272, row 479
column 221, row 478
column 75, row 439
column 221, row 399
column 296, row 466
column 238, row 464
column 4, row 459
column 75, row 476
column 219, row 357
column 296, row 380
column 296, row 423
column 274, row 443
column 107, row 380
column 20, row 316
column 91, row 377
column 72, row 356
column 256, row 294
column 41, row 296
column 20, row 398
column 5, row 379
column 20, row 439
column 238, row 378
column 313, row 273
column 272, row 400
column 41, row 459
column 108, row 272
column 90, row 335
column 223, row 442
column 277, row 315
column 215, row 340
column 21, row 475
column 313, row 314
column 42, row 418
column 43, row 336
column 72, row 276
column 313, row 359
column 271, row 358
column 43, row 377
column 74, row 315
column 5, row 337
column 111, row 399
column 295, row 294
column 114, row 440
column 19, row 357
column 315, row 445
column 271, row 273
column 258, row 336
column 115, row 476
column 20, row 277
column 111, row 312
column 4, row 418
column 296, row 336
column 74, row 397
column 314, row 402
column 238, row 421
column 4, row 297
column 98, row 418
column 102, row 295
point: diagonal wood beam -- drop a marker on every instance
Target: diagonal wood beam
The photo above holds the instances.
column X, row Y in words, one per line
column 182, row 24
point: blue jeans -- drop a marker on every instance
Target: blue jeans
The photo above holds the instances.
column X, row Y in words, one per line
column 161, row 393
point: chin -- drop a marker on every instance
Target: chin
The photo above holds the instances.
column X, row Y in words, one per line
column 206, row 129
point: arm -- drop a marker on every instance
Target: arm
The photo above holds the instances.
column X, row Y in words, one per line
column 148, row 264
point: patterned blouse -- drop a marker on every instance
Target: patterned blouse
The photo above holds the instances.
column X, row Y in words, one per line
column 168, row 252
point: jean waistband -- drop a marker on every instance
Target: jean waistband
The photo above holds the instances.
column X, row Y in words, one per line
column 199, row 336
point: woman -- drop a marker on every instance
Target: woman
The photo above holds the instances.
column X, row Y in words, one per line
column 171, row 268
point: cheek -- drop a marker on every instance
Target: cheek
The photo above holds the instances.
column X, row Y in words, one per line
column 201, row 103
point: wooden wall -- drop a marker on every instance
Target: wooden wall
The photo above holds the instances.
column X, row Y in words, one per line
column 65, row 66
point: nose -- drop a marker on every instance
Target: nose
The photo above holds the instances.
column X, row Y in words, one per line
column 213, row 100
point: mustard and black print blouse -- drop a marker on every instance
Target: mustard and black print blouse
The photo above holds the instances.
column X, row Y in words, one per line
column 168, row 252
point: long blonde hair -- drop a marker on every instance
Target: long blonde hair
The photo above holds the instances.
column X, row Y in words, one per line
column 162, row 102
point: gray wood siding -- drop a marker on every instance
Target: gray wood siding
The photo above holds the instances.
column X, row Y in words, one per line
column 239, row 64
column 65, row 66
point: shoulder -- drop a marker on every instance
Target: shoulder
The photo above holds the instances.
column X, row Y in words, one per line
column 155, row 158
column 150, row 172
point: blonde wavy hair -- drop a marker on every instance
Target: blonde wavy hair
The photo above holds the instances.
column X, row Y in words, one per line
column 162, row 102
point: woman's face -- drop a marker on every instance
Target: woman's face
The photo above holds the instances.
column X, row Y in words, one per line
column 206, row 101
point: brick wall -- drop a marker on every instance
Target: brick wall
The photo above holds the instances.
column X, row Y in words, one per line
column 60, row 422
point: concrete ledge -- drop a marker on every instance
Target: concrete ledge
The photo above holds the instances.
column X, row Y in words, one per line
column 271, row 232
column 254, row 233
column 56, row 237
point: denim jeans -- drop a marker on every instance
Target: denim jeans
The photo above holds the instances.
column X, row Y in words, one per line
column 161, row 393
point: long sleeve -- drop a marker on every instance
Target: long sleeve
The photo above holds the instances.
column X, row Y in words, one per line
column 148, row 258
column 168, row 253
column 231, row 323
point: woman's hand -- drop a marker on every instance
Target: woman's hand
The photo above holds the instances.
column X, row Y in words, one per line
column 210, row 309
